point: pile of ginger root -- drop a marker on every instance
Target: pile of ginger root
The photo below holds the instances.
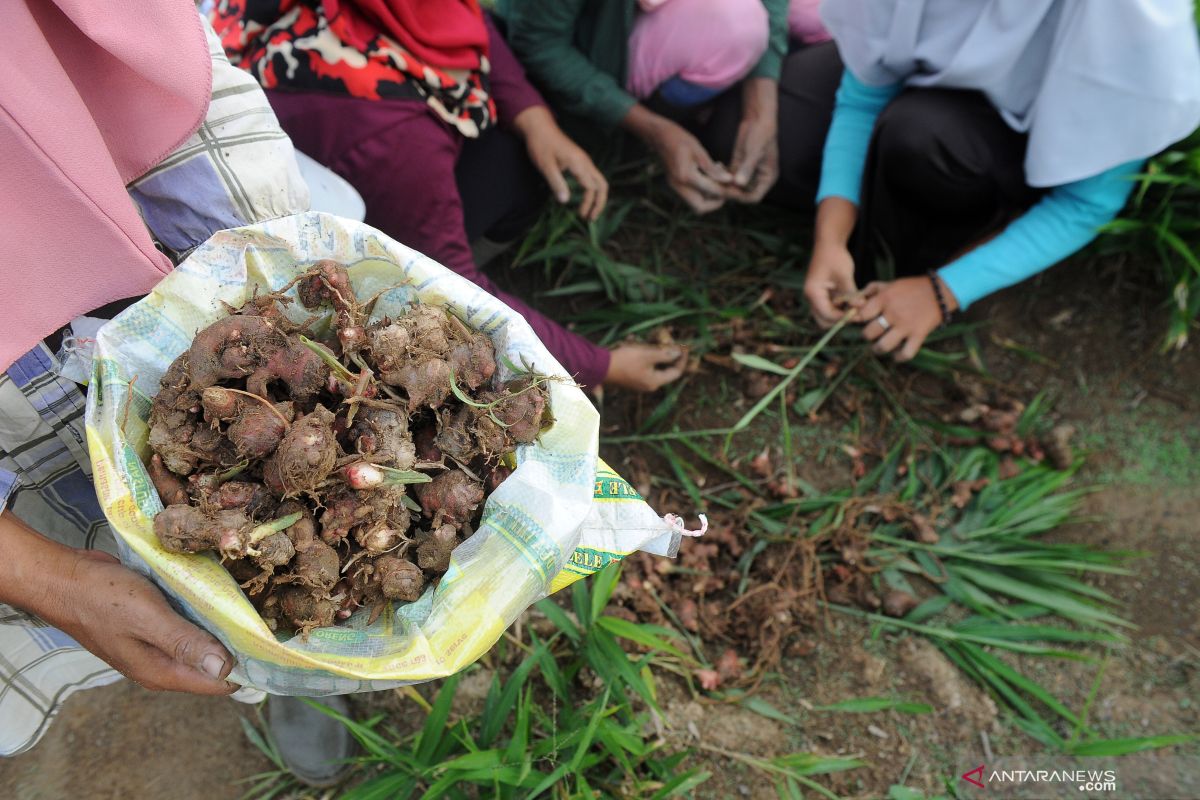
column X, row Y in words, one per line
column 335, row 473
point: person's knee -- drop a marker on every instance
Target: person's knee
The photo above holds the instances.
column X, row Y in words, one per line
column 712, row 44
column 921, row 151
column 746, row 24
column 904, row 133
column 744, row 30
column 728, row 43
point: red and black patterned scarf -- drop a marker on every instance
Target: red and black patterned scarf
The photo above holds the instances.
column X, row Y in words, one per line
column 295, row 44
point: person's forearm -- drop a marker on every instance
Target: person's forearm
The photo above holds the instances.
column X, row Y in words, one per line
column 1060, row 224
column 760, row 99
column 31, row 566
column 836, row 217
column 644, row 124
column 532, row 119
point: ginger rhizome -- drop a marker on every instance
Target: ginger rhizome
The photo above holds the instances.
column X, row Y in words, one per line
column 334, row 464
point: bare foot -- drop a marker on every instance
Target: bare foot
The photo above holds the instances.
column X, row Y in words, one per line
column 645, row 367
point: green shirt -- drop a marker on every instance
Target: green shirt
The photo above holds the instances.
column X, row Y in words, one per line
column 576, row 51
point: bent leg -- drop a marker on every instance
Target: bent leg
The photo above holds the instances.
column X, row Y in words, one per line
column 705, row 43
column 804, row 22
column 944, row 171
column 502, row 192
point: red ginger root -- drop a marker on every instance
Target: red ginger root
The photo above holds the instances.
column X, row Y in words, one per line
column 302, row 370
column 258, row 431
column 521, row 407
column 305, row 457
column 472, row 357
column 232, row 347
column 171, row 490
column 383, row 433
column 255, row 428
column 413, row 353
column 327, row 282
column 317, row 568
column 380, row 540
column 304, row 531
column 470, row 432
column 253, row 499
column 173, row 421
column 452, row 496
column 187, row 529
column 399, row 579
column 254, row 348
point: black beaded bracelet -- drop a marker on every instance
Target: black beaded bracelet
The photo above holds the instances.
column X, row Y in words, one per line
column 941, row 298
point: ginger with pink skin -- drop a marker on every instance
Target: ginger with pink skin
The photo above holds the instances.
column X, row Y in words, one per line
column 381, row 431
column 521, row 407
column 451, row 497
column 171, row 490
column 318, row 567
column 326, row 283
column 399, row 579
column 297, row 463
column 188, row 529
column 305, row 456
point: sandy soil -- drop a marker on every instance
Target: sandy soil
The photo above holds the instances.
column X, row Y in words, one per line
column 121, row 742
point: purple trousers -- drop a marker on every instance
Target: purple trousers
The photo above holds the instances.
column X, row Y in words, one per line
column 428, row 187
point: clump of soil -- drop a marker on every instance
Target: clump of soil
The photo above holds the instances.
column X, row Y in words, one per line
column 292, row 459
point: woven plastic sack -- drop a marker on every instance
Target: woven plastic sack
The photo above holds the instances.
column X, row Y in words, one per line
column 561, row 515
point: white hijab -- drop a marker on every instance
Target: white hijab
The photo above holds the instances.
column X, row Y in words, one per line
column 1095, row 83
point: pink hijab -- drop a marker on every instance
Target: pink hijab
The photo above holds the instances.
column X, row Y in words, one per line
column 92, row 95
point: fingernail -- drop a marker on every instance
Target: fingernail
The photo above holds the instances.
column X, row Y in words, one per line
column 212, row 665
column 563, row 197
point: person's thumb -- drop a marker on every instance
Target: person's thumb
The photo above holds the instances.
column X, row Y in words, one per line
column 718, row 172
column 745, row 167
column 667, row 355
column 195, row 661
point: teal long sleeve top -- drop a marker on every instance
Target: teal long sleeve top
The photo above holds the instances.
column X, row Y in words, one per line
column 1065, row 219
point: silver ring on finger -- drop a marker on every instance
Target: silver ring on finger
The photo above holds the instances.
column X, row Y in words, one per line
column 883, row 323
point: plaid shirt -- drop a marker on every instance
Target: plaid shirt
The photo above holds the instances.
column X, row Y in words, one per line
column 238, row 168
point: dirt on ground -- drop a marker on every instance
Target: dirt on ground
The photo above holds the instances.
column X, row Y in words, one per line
column 1085, row 334
column 121, row 742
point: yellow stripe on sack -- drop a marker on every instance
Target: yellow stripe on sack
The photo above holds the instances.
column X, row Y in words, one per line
column 584, row 561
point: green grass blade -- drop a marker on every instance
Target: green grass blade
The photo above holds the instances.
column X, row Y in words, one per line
column 1122, row 747
column 432, row 734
